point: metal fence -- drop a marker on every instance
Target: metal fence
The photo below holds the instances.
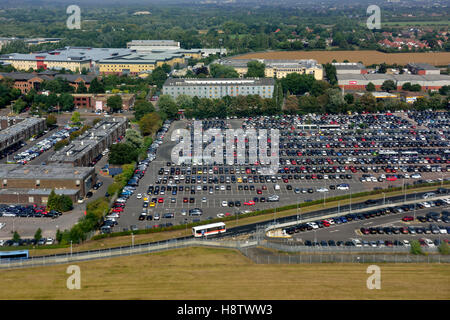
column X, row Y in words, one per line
column 121, row 251
column 338, row 249
column 342, row 258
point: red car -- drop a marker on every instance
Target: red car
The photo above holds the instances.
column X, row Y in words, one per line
column 160, row 200
column 185, row 200
column 391, row 178
column 258, row 191
column 117, row 209
column 249, row 203
column 407, row 218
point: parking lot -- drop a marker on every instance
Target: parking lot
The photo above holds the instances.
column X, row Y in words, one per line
column 377, row 228
column 332, row 155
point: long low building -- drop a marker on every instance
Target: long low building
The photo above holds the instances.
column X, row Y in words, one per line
column 98, row 102
column 21, row 131
column 136, row 63
column 215, row 88
column 25, row 184
column 70, row 58
column 85, row 148
column 278, row 68
column 360, row 81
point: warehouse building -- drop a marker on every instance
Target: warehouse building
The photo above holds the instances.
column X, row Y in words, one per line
column 150, row 45
column 214, row 88
column 82, row 151
column 70, row 58
column 6, row 122
column 349, row 68
column 21, row 131
column 136, row 63
column 423, row 69
column 360, row 81
column 33, row 183
column 278, row 68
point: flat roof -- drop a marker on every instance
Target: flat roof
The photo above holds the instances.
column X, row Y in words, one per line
column 88, row 140
column 19, row 127
column 294, row 63
column 219, row 81
column 40, row 172
column 43, row 192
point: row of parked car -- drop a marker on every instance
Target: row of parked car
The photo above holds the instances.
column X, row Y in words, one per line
column 29, row 211
column 27, row 242
column 43, row 145
column 424, row 242
column 352, row 217
column 119, row 205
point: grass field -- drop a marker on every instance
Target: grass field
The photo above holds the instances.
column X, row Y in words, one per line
column 205, row 273
column 367, row 57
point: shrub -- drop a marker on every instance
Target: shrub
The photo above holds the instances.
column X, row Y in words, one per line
column 444, row 248
column 416, row 248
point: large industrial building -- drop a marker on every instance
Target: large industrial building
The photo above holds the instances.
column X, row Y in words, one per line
column 360, row 81
column 217, row 88
column 278, row 68
column 70, row 58
column 136, row 63
column 85, row 148
column 349, row 68
column 20, row 131
column 32, row 184
column 150, row 45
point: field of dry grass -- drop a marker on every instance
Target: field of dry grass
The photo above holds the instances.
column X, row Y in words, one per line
column 205, row 273
column 368, row 57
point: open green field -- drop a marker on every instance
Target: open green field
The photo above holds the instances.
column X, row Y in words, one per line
column 205, row 273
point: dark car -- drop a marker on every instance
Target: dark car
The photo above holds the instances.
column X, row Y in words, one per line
column 89, row 194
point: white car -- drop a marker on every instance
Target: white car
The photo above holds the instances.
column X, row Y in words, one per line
column 313, row 225
column 342, row 187
column 322, row 190
column 2, row 242
column 7, row 214
column 139, row 196
column 429, row 243
column 426, row 204
column 416, row 176
column 220, row 215
column 2, row 224
column 204, row 199
column 406, row 243
column 224, row 203
column 49, row 241
column 277, row 187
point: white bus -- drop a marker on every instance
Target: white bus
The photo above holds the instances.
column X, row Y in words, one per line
column 208, row 229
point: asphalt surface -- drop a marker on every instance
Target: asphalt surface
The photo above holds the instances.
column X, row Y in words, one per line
column 213, row 204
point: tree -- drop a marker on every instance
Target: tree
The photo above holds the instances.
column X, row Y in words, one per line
column 221, row 71
column 61, row 144
column 142, row 108
column 158, row 77
column 255, row 69
column 134, row 137
column 184, row 102
column 81, row 88
column 168, row 106
column 66, row 102
column 349, row 98
column 416, row 87
column 167, row 68
column 406, row 86
column 291, row 105
column 75, row 117
column 416, row 248
column 19, row 106
column 60, row 203
column 298, row 84
column 444, row 248
column 122, row 153
column 38, row 234
column 445, row 90
column 149, row 123
column 370, row 87
column 368, row 102
column 16, row 237
column 114, row 103
column 388, row 85
column 51, row 120
column 96, row 86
